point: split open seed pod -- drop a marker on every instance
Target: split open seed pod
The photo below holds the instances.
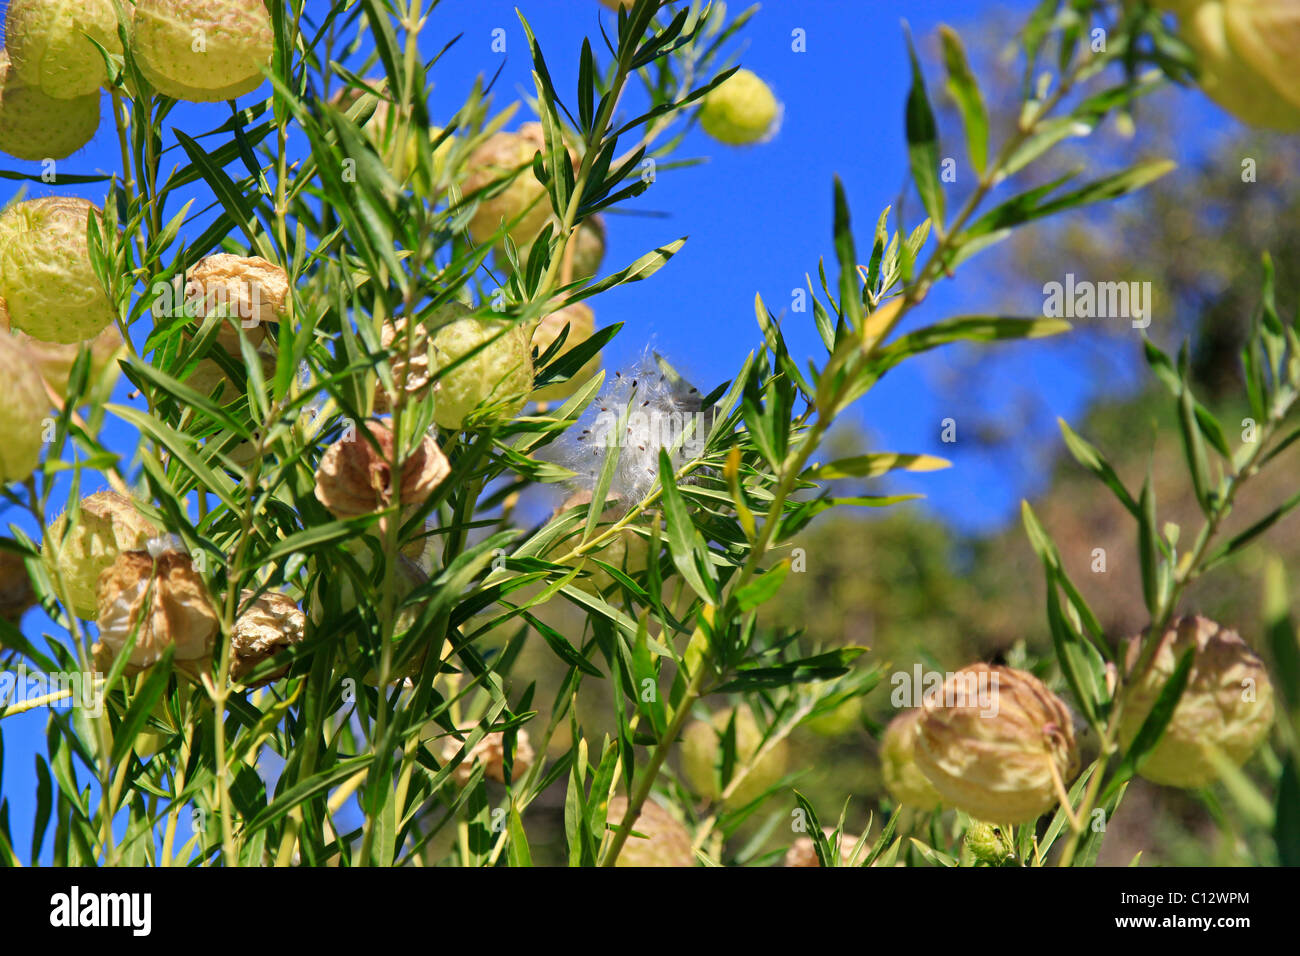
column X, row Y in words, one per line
column 108, row 524
column 271, row 624
column 159, row 592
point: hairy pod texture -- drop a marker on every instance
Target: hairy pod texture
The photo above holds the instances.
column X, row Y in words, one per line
column 202, row 50
column 22, row 412
column 1226, row 707
column 48, row 284
column 483, row 366
column 741, row 110
column 997, row 744
column 36, row 126
column 46, row 43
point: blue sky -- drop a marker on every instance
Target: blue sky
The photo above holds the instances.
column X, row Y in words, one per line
column 758, row 220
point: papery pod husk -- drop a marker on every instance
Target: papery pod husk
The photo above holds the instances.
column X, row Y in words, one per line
column 1227, row 705
column 903, row 778
column 109, row 523
column 701, row 749
column 413, row 355
column 355, row 477
column 249, row 289
column 657, row 837
column 166, row 596
column 1002, row 753
column 490, row 752
column 271, row 624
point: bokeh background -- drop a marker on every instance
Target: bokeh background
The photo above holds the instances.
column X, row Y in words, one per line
column 949, row 579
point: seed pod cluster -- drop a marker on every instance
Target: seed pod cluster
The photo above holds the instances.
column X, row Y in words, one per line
column 997, row 744
column 107, row 524
column 1227, row 705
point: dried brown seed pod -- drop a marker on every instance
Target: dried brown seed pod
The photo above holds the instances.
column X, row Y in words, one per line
column 270, row 624
column 490, row 751
column 159, row 591
column 108, row 524
column 903, row 778
column 1227, row 705
column 803, row 853
column 248, row 288
column 413, row 352
column 997, row 744
column 657, row 837
column 16, row 593
column 355, row 476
